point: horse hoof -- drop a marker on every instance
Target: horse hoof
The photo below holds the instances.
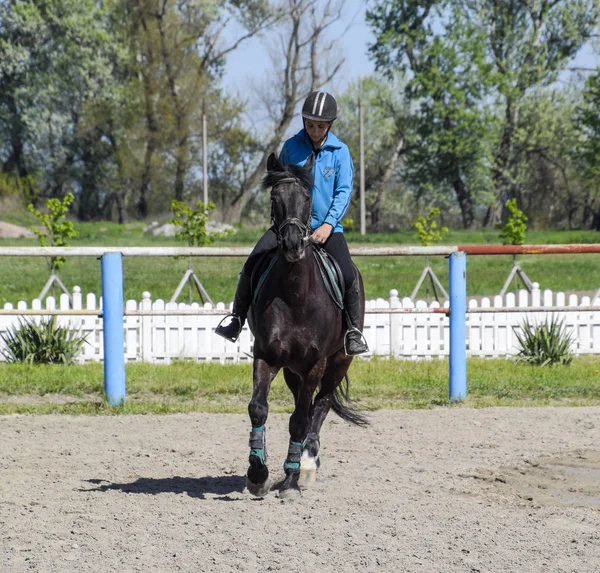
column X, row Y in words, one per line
column 290, row 494
column 307, row 478
column 258, row 489
column 308, row 470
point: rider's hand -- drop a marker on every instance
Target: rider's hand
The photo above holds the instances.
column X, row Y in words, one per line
column 322, row 233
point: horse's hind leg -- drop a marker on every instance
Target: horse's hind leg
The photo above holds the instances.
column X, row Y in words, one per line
column 337, row 368
column 257, row 478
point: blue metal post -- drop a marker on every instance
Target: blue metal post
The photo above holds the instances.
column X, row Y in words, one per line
column 458, row 326
column 112, row 320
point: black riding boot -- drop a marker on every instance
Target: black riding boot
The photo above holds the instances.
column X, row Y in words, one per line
column 354, row 342
column 241, row 304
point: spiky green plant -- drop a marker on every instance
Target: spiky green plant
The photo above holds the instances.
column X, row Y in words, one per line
column 545, row 344
column 43, row 343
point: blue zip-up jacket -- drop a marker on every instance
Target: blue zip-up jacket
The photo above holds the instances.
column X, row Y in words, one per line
column 333, row 172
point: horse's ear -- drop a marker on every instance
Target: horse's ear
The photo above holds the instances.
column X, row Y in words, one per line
column 272, row 162
column 309, row 162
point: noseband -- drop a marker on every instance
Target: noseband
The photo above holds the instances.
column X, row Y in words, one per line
column 304, row 227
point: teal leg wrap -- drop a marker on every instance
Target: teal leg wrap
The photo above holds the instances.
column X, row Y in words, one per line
column 258, row 444
column 294, row 455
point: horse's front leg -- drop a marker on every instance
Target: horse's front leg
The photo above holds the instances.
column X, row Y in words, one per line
column 257, row 478
column 299, row 424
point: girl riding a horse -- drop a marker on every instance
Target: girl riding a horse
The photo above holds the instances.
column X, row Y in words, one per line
column 333, row 183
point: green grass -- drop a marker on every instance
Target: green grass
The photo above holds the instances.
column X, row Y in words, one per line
column 22, row 278
column 375, row 384
column 186, row 386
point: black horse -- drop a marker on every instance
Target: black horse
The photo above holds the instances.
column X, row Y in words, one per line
column 298, row 327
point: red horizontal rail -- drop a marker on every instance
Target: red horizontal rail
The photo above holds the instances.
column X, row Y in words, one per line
column 529, row 249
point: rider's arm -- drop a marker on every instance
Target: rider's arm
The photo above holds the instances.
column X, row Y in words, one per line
column 342, row 191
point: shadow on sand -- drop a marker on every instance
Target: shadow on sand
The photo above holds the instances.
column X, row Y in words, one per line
column 220, row 486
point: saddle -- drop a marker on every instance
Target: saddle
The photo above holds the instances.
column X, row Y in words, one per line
column 328, row 269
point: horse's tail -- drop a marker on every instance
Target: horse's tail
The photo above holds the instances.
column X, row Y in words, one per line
column 345, row 412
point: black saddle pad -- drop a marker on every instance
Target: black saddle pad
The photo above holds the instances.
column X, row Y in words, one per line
column 328, row 269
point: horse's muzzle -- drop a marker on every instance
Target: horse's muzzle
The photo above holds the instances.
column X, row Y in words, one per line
column 292, row 236
column 293, row 245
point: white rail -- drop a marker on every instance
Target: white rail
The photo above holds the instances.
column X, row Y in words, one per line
column 204, row 251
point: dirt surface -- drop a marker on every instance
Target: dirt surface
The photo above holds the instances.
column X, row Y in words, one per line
column 445, row 490
column 10, row 231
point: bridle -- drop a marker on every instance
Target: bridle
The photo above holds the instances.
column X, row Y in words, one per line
column 303, row 227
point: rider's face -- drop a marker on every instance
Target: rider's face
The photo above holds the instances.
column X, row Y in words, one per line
column 317, row 130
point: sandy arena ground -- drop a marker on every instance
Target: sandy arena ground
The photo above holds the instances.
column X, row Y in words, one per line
column 444, row 490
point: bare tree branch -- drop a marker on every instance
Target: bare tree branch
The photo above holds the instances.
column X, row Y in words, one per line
column 581, row 69
column 304, row 59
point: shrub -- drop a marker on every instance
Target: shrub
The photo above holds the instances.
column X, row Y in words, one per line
column 58, row 230
column 44, row 343
column 513, row 232
column 192, row 223
column 545, row 344
column 428, row 230
column 12, row 186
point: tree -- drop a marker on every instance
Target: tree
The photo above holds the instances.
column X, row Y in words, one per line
column 106, row 99
column 181, row 54
column 472, row 64
column 53, row 56
column 233, row 152
column 304, row 60
column 105, row 147
column 388, row 133
column 446, row 87
column 548, row 184
column 587, row 152
column 528, row 42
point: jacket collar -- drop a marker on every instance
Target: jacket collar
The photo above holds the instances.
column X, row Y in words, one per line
column 331, row 142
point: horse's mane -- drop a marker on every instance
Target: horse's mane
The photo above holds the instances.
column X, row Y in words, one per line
column 304, row 176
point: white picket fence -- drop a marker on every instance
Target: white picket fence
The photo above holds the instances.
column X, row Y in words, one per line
column 408, row 335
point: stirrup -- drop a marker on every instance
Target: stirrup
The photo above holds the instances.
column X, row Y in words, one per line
column 364, row 342
column 225, row 331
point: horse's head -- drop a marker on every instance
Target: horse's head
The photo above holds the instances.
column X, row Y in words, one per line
column 290, row 205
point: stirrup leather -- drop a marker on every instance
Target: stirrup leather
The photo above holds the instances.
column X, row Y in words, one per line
column 223, row 330
column 364, row 341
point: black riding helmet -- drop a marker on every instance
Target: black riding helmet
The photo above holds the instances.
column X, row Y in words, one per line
column 319, row 106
